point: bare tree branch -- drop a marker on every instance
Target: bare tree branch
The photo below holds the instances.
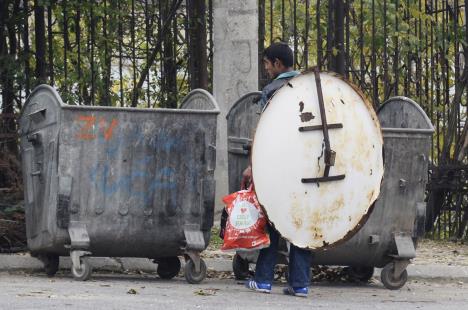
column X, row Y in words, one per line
column 156, row 50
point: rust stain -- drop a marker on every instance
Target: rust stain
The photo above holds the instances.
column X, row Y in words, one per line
column 301, row 106
column 296, row 212
column 325, row 217
column 338, row 204
column 306, row 116
column 315, row 231
column 339, row 165
column 357, row 163
column 297, row 222
column 370, row 195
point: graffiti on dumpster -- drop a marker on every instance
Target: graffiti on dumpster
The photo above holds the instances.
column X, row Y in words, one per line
column 143, row 146
column 127, row 184
column 89, row 123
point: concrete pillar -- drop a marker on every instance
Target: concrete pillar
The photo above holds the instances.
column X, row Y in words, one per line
column 235, row 70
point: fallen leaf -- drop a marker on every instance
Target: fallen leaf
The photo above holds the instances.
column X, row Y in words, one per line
column 132, row 291
column 208, row 292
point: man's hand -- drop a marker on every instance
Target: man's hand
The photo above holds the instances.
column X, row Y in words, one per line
column 246, row 177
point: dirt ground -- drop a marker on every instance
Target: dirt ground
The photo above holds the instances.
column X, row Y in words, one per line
column 441, row 252
column 428, row 252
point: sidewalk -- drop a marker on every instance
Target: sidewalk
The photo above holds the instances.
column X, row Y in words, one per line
column 218, row 263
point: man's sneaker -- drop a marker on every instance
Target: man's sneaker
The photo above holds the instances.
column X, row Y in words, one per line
column 257, row 286
column 296, row 291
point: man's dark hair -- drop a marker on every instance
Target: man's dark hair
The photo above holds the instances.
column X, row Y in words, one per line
column 281, row 51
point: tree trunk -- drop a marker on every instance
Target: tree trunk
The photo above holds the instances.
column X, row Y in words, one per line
column 50, row 38
column 7, row 73
column 337, row 40
column 330, row 34
column 169, row 83
column 164, row 28
column 198, row 60
column 39, row 27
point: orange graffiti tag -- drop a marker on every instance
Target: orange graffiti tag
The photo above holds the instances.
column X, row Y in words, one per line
column 108, row 131
column 86, row 131
column 89, row 121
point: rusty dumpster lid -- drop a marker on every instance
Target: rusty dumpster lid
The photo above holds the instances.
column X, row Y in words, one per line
column 288, row 148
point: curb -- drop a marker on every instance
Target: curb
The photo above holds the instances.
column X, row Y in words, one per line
column 24, row 262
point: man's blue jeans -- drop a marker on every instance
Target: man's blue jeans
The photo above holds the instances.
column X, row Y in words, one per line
column 299, row 263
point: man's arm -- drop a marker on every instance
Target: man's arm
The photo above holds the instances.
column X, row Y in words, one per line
column 246, row 177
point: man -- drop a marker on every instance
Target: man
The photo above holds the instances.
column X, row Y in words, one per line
column 278, row 61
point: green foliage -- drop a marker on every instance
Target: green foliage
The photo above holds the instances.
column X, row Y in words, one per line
column 414, row 47
column 90, row 60
column 89, row 41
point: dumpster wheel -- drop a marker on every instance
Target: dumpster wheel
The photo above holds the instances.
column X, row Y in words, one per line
column 191, row 275
column 387, row 276
column 168, row 267
column 82, row 273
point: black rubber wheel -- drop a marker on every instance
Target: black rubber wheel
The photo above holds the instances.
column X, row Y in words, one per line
column 191, row 275
column 168, row 267
column 361, row 273
column 240, row 267
column 389, row 281
column 51, row 264
column 82, row 273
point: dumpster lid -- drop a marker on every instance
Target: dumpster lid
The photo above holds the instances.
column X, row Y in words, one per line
column 40, row 110
column 403, row 113
column 199, row 99
column 244, row 102
column 288, row 149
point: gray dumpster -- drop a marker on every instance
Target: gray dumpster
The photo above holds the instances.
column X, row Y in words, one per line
column 389, row 236
column 241, row 122
column 120, row 182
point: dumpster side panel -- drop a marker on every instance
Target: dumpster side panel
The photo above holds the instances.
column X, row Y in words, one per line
column 138, row 178
column 39, row 127
column 241, row 121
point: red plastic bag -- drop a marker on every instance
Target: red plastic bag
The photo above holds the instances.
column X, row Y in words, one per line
column 246, row 223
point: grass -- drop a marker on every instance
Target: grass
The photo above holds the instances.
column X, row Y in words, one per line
column 215, row 242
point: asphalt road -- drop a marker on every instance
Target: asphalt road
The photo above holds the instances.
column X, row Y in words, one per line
column 118, row 291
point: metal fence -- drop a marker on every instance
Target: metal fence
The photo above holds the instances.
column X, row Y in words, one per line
column 138, row 53
column 400, row 47
column 107, row 52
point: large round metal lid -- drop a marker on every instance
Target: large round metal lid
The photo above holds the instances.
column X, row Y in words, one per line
column 309, row 206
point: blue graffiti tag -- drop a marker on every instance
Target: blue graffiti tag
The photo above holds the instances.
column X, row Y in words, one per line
column 163, row 180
